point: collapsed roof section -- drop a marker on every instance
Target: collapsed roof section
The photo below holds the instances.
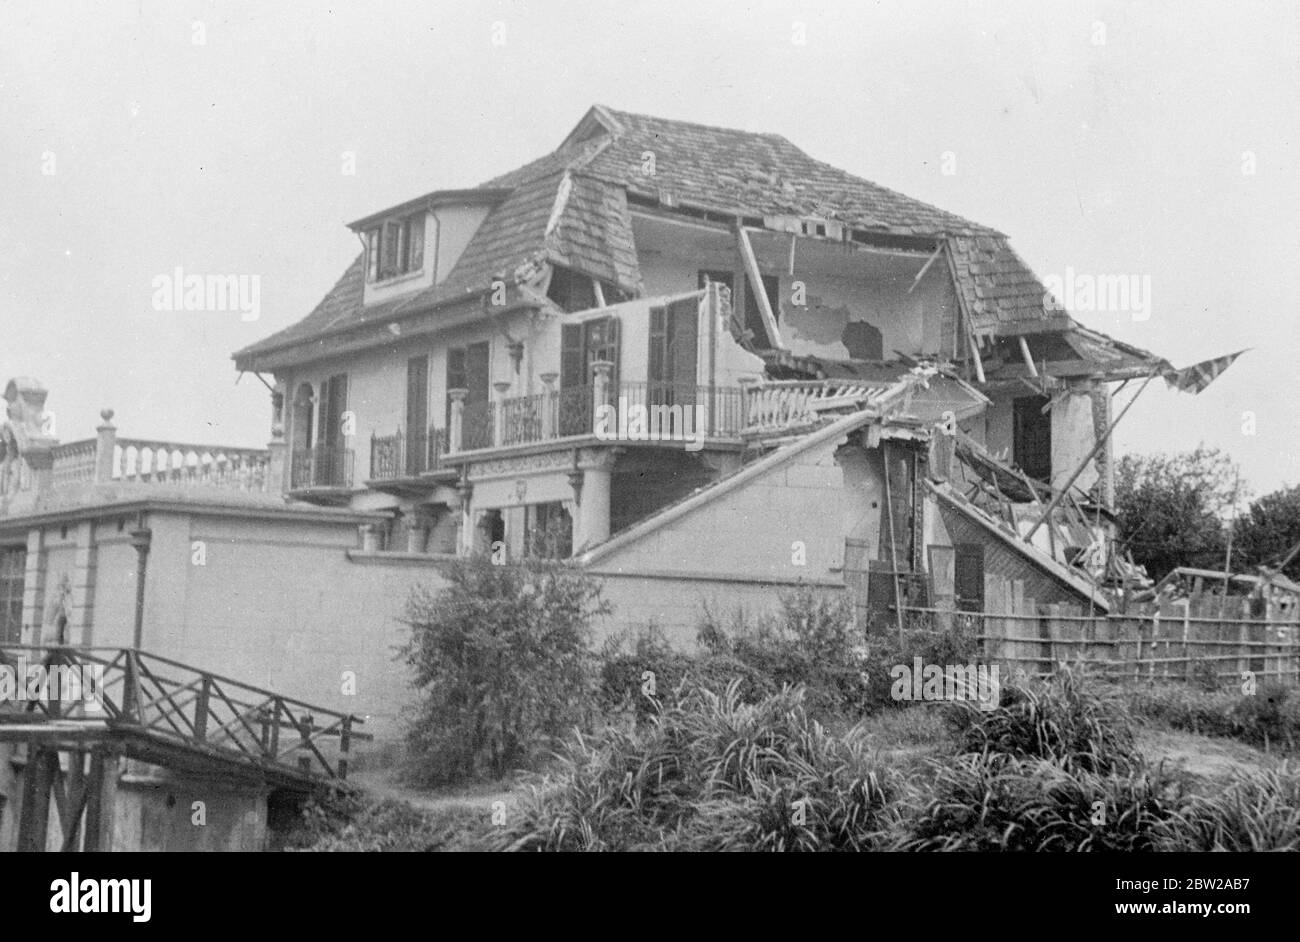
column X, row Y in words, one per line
column 571, row 207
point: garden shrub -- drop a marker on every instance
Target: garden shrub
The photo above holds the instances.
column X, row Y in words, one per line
column 1061, row 719
column 502, row 664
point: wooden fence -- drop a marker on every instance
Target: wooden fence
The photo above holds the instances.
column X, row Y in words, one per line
column 1177, row 640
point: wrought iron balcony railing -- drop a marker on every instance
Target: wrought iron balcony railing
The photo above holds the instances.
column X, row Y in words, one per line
column 321, row 467
column 406, row 456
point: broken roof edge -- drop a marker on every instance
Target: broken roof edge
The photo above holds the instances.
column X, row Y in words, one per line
column 721, row 488
column 1078, row 583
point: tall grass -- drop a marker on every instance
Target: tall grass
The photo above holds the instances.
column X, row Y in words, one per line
column 710, row 773
column 1063, row 720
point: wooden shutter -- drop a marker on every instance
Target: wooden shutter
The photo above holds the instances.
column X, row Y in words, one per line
column 334, row 403
column 416, row 240
column 417, row 395
column 968, row 576
column 388, row 248
column 573, row 363
column 372, row 254
column 683, row 317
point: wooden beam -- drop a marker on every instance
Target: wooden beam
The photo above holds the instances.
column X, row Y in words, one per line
column 756, row 284
column 1029, row 360
column 600, row 292
column 926, row 267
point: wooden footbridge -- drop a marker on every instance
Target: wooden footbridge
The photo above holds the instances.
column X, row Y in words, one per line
column 88, row 705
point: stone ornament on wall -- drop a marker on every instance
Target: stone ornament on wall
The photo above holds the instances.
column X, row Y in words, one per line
column 23, row 433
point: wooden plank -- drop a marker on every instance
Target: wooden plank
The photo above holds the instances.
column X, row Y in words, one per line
column 756, row 283
column 943, row 585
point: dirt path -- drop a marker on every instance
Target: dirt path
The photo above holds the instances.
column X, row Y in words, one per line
column 383, row 783
column 1202, row 756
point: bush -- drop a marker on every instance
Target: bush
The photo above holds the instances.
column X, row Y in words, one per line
column 1256, row 811
column 811, row 643
column 1269, row 717
column 502, row 663
column 919, row 639
column 1061, row 720
column 653, row 673
column 996, row 802
column 710, row 773
column 351, row 822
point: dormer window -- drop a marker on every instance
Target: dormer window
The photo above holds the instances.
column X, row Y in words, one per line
column 395, row 248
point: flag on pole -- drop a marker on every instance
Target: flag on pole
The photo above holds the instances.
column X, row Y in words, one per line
column 1195, row 378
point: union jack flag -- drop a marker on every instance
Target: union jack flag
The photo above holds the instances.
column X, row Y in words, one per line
column 1195, row 378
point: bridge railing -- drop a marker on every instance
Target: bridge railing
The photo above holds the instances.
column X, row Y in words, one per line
column 204, row 711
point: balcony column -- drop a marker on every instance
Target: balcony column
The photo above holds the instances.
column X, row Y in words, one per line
column 105, row 443
column 465, row 492
column 600, row 383
column 455, row 430
column 592, row 493
column 550, row 405
column 499, row 426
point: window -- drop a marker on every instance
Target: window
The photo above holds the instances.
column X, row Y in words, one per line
column 548, row 531
column 752, row 315
column 468, row 368
column 13, row 568
column 417, row 414
column 1031, row 439
column 395, row 248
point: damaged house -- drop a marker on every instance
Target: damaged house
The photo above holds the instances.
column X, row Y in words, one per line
column 688, row 356
column 695, row 361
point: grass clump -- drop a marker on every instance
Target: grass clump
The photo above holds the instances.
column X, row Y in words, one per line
column 710, row 772
column 1062, row 720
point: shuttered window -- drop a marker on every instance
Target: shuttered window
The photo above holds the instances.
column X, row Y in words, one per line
column 13, row 569
column 334, row 402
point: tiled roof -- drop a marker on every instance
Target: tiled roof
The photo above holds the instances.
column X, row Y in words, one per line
column 729, row 171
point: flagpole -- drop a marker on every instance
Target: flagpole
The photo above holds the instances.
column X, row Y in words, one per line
column 1060, row 494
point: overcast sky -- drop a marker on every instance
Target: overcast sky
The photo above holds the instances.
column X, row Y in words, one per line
column 1151, row 139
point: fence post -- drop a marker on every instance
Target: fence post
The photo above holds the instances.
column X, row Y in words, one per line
column 304, row 731
column 105, row 445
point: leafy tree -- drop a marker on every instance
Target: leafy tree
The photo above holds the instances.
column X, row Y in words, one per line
column 1173, row 508
column 1268, row 530
column 501, row 657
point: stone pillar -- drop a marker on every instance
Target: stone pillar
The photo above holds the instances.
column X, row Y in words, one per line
column 600, row 383
column 34, row 588
column 417, row 532
column 550, row 406
column 369, row 538
column 81, row 617
column 455, row 431
column 105, row 445
column 499, row 426
column 465, row 492
column 276, row 463
column 277, row 448
column 592, row 519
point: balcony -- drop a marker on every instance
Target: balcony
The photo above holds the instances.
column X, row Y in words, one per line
column 668, row 412
column 401, row 456
column 321, row 468
column 108, row 459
